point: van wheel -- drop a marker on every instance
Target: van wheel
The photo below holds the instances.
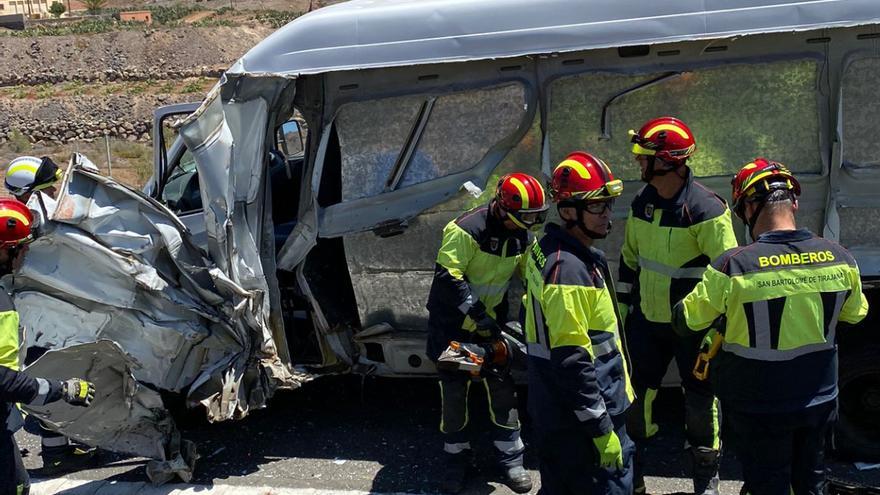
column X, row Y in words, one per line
column 857, row 433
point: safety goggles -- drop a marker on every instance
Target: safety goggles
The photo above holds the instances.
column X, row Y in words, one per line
column 640, row 145
column 528, row 219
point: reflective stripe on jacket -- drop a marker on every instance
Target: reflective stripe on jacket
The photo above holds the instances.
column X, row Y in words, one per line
column 782, row 297
column 667, row 245
column 475, row 262
column 14, row 386
column 577, row 372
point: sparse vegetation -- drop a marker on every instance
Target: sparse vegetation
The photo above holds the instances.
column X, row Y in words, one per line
column 275, row 18
column 56, row 9
column 18, row 142
column 214, row 23
column 74, row 88
column 130, row 150
column 93, row 6
column 43, row 91
column 191, row 87
column 88, row 26
column 172, row 14
column 137, row 88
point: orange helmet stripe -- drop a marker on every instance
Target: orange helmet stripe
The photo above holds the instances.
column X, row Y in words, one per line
column 523, row 193
column 666, row 127
column 14, row 214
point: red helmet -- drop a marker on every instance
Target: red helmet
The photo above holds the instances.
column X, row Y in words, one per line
column 581, row 177
column 15, row 223
column 522, row 199
column 667, row 138
column 760, row 177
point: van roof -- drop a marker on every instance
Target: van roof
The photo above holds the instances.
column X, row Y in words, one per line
column 385, row 33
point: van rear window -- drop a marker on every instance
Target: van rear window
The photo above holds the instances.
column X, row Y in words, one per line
column 776, row 115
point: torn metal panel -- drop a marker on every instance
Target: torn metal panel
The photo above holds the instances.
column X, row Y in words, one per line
column 111, row 264
column 226, row 140
column 125, row 416
column 386, row 33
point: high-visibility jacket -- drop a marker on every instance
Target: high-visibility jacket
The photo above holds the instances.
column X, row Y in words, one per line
column 577, row 370
column 477, row 258
column 782, row 297
column 667, row 245
column 16, row 386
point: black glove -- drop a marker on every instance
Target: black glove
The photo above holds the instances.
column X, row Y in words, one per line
column 483, row 320
column 78, row 392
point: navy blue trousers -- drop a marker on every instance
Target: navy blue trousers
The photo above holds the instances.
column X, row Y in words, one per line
column 569, row 463
column 782, row 453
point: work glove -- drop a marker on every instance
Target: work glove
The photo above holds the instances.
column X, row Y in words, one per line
column 78, row 392
column 488, row 324
column 483, row 321
column 610, row 452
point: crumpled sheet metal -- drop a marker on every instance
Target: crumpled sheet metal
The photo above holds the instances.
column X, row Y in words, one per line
column 130, row 417
column 114, row 264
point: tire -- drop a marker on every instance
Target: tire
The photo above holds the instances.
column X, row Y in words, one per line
column 857, row 433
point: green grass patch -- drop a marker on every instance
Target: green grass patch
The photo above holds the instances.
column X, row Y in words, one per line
column 18, row 142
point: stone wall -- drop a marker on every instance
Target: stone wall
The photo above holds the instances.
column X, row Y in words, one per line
column 149, row 54
column 62, row 120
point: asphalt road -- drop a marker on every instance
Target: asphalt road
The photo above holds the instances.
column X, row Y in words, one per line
column 381, row 435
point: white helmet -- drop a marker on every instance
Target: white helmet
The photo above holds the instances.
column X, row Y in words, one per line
column 29, row 173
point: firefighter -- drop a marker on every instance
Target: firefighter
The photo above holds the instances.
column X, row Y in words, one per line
column 579, row 386
column 15, row 386
column 25, row 176
column 674, row 228
column 781, row 296
column 479, row 254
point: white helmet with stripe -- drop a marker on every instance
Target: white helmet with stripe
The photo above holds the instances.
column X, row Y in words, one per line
column 28, row 173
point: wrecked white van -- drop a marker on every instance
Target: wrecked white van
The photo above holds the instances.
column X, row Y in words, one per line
column 320, row 261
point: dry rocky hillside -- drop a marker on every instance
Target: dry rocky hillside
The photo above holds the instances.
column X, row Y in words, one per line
column 83, row 92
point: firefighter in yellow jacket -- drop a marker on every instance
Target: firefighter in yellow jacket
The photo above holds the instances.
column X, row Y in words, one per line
column 782, row 297
column 479, row 254
column 16, row 222
column 674, row 228
column 578, row 382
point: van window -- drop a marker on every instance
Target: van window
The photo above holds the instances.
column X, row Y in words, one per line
column 776, row 115
column 181, row 192
column 861, row 105
column 461, row 128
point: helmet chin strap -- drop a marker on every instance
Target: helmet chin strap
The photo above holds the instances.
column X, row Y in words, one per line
column 6, row 267
column 651, row 170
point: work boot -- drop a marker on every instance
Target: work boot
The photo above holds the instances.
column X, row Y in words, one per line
column 706, row 462
column 517, row 479
column 455, row 474
column 638, row 474
column 66, row 458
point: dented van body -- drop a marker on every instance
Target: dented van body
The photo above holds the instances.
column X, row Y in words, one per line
column 319, row 260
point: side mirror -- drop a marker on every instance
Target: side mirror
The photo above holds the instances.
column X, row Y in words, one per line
column 290, row 139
